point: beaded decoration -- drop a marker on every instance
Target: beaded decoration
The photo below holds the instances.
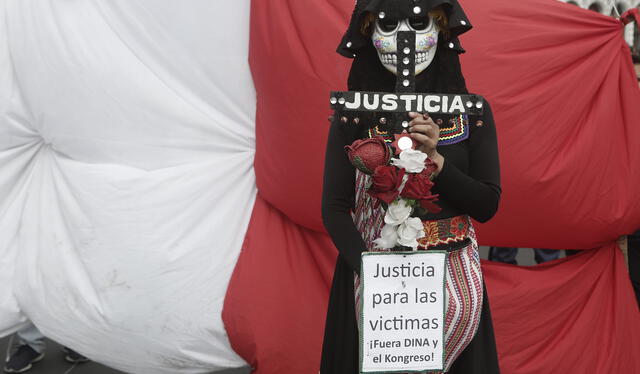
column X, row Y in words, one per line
column 455, row 133
column 386, row 135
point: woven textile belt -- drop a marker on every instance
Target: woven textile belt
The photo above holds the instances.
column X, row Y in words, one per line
column 445, row 231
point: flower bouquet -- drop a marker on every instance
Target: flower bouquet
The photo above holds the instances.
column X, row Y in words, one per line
column 402, row 184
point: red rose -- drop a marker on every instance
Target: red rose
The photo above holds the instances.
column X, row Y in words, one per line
column 385, row 183
column 430, row 205
column 418, row 187
column 368, row 154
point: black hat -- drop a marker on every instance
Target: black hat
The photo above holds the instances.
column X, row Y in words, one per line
column 353, row 40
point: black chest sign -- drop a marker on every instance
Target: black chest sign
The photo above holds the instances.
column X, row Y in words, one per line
column 406, row 102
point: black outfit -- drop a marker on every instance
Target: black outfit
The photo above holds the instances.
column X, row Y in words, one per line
column 469, row 182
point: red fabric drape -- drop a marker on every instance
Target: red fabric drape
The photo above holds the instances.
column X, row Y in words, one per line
column 631, row 15
column 276, row 302
column 566, row 103
column 576, row 315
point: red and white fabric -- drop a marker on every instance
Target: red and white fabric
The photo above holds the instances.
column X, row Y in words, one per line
column 126, row 182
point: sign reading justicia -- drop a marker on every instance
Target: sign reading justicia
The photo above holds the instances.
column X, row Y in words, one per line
column 402, row 311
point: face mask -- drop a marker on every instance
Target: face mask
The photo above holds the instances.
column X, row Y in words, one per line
column 385, row 40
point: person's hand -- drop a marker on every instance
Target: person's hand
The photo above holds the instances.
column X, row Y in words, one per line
column 426, row 133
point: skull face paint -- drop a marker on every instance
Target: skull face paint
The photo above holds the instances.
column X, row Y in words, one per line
column 384, row 38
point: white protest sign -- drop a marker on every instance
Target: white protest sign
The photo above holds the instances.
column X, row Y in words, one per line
column 402, row 311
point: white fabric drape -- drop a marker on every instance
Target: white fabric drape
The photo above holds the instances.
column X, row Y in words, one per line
column 126, row 175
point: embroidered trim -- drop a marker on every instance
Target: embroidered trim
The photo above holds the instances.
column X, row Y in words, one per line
column 386, row 135
column 444, row 231
column 457, row 132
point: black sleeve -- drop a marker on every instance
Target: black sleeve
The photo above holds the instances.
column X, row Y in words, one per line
column 338, row 198
column 478, row 193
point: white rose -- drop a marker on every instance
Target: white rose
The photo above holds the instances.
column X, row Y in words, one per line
column 411, row 160
column 409, row 231
column 397, row 213
column 388, row 237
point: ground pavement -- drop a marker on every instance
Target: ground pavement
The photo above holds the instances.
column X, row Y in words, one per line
column 54, row 363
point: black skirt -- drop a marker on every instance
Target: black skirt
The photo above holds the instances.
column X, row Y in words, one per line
column 340, row 347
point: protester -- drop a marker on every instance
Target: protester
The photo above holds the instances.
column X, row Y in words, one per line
column 508, row 255
column 30, row 348
column 464, row 168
